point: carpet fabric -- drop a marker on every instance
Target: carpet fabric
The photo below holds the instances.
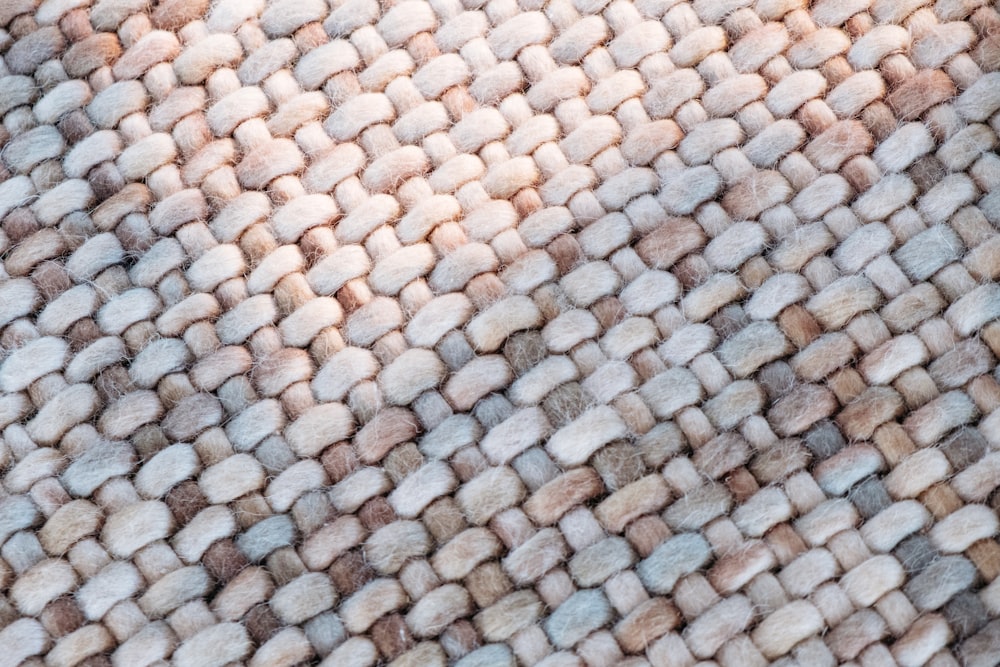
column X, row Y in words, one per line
column 495, row 333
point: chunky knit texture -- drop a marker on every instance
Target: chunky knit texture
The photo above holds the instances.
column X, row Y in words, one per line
column 494, row 333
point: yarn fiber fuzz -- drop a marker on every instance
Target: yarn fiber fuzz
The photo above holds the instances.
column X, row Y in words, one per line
column 499, row 332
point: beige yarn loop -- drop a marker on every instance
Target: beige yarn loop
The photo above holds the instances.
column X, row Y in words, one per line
column 497, row 332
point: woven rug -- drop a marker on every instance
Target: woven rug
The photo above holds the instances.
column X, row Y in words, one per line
column 486, row 333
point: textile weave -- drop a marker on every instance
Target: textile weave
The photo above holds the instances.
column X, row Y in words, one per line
column 498, row 332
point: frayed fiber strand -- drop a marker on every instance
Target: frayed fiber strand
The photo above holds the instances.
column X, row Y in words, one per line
column 499, row 333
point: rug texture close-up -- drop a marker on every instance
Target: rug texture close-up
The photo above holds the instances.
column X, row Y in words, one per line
column 499, row 333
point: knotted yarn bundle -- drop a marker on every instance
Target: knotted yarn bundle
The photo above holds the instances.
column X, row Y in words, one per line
column 499, row 333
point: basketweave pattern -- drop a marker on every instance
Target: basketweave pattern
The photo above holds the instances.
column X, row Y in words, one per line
column 489, row 333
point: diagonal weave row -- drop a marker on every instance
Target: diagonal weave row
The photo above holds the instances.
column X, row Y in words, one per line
column 494, row 333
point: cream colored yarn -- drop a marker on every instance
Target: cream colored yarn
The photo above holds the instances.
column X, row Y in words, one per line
column 494, row 333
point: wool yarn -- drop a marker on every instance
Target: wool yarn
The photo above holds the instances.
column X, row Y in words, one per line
column 499, row 332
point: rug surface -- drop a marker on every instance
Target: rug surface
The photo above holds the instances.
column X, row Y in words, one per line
column 495, row 333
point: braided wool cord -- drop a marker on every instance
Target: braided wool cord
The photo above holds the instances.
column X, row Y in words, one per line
column 494, row 333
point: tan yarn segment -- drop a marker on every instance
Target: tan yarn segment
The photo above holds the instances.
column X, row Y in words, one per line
column 494, row 333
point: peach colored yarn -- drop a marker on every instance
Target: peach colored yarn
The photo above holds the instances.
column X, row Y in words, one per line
column 498, row 332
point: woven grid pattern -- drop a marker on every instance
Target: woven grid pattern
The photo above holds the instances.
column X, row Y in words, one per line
column 492, row 333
